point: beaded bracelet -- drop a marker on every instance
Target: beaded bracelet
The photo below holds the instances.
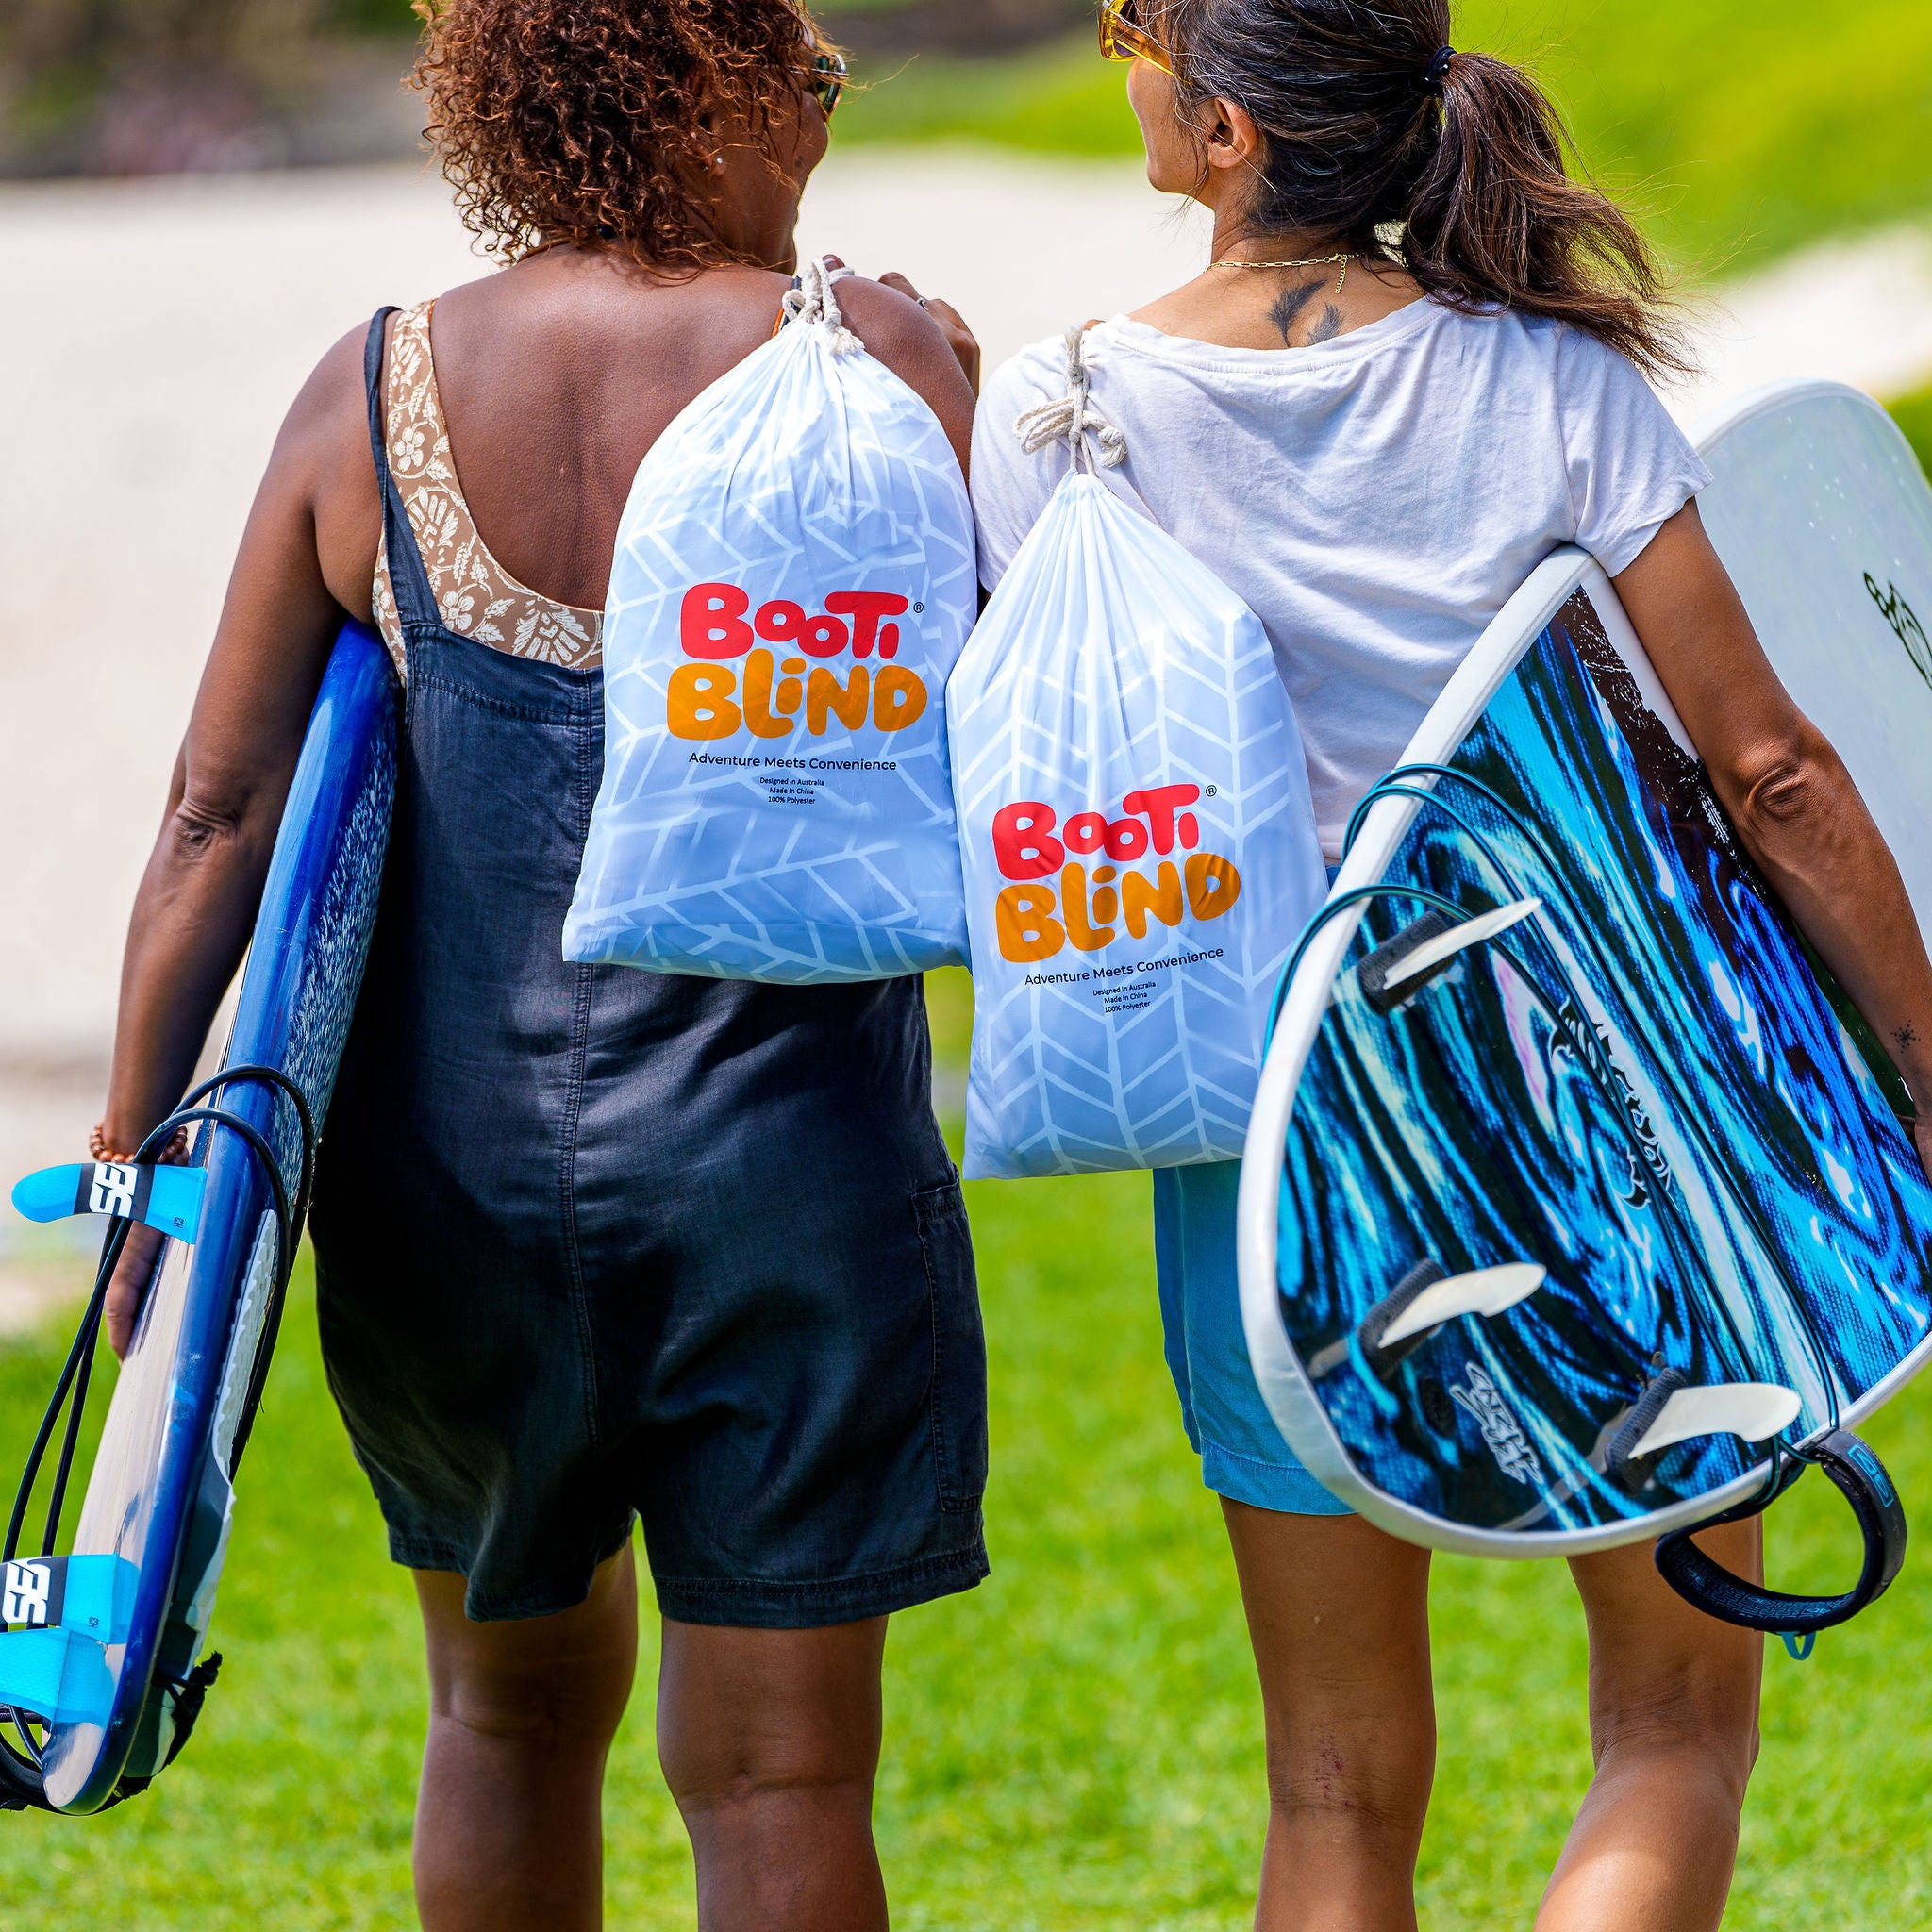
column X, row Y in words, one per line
column 174, row 1155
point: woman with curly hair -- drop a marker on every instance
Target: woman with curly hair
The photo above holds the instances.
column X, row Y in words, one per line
column 592, row 1244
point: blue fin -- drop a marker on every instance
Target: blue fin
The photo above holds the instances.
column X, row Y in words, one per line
column 166, row 1198
column 57, row 1676
column 58, row 1617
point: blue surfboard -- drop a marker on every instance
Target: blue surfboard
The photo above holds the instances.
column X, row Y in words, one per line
column 160, row 1496
column 1576, row 1208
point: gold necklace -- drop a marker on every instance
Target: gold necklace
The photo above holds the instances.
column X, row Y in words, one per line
column 1312, row 261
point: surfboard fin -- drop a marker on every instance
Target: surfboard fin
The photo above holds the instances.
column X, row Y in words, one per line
column 1487, row 1292
column 1394, row 974
column 165, row 1198
column 58, row 1617
column 1424, row 1301
column 1381, row 1355
column 1754, row 1410
column 1374, row 972
column 1673, row 1410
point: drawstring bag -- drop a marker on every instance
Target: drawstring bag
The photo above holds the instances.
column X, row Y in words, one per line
column 1138, row 835
column 794, row 581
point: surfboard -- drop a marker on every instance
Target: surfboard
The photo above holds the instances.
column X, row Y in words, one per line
column 160, row 1496
column 1572, row 1215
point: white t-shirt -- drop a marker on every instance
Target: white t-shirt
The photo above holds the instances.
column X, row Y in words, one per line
column 1376, row 499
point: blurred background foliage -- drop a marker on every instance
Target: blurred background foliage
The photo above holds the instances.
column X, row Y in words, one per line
column 1742, row 128
column 144, row 87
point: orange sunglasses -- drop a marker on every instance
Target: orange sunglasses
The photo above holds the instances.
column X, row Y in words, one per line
column 1121, row 38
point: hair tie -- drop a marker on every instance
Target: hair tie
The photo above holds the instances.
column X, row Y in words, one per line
column 1437, row 71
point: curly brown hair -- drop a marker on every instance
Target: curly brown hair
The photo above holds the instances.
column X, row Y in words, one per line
column 579, row 122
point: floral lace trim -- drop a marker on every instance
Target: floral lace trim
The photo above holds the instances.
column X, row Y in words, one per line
column 475, row 596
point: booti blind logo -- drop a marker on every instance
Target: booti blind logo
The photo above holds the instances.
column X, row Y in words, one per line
column 771, row 671
column 30, row 1595
column 1501, row 1430
column 1905, row 625
column 1056, row 901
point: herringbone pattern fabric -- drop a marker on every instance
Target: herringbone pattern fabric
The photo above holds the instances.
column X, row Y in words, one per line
column 765, row 815
column 1140, row 849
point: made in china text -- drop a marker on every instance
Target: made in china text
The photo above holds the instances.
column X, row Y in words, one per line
column 1058, row 901
column 736, row 683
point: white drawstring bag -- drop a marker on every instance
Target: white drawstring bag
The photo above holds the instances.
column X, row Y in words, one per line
column 1138, row 834
column 794, row 581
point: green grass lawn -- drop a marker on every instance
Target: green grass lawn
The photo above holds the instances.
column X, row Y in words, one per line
column 1744, row 126
column 1073, row 1746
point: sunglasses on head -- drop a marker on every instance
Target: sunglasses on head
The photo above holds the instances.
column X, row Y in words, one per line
column 1123, row 37
column 829, row 74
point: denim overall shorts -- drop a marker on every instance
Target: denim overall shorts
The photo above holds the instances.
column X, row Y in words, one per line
column 595, row 1244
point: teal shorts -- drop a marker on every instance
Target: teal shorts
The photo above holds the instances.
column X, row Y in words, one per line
column 1243, row 1455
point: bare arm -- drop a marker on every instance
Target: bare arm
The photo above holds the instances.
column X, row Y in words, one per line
column 196, row 906
column 1788, row 793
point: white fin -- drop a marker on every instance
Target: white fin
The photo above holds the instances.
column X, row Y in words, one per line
column 1459, row 939
column 1488, row 1292
column 1755, row 1411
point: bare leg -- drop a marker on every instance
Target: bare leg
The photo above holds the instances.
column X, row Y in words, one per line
column 770, row 1742
column 1338, row 1614
column 1674, row 1730
column 509, row 1822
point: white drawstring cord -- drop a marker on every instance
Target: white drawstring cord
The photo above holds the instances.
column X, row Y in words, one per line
column 1073, row 420
column 815, row 302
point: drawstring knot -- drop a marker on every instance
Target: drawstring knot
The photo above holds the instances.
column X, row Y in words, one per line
column 812, row 300
column 1073, row 420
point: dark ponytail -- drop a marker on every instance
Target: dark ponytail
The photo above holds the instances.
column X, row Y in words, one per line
column 1450, row 166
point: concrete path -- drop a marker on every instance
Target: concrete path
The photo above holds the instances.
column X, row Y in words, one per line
column 153, row 333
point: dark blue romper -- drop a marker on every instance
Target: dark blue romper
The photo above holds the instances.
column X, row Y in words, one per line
column 593, row 1241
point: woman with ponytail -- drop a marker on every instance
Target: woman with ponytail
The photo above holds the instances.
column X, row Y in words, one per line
column 1413, row 366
